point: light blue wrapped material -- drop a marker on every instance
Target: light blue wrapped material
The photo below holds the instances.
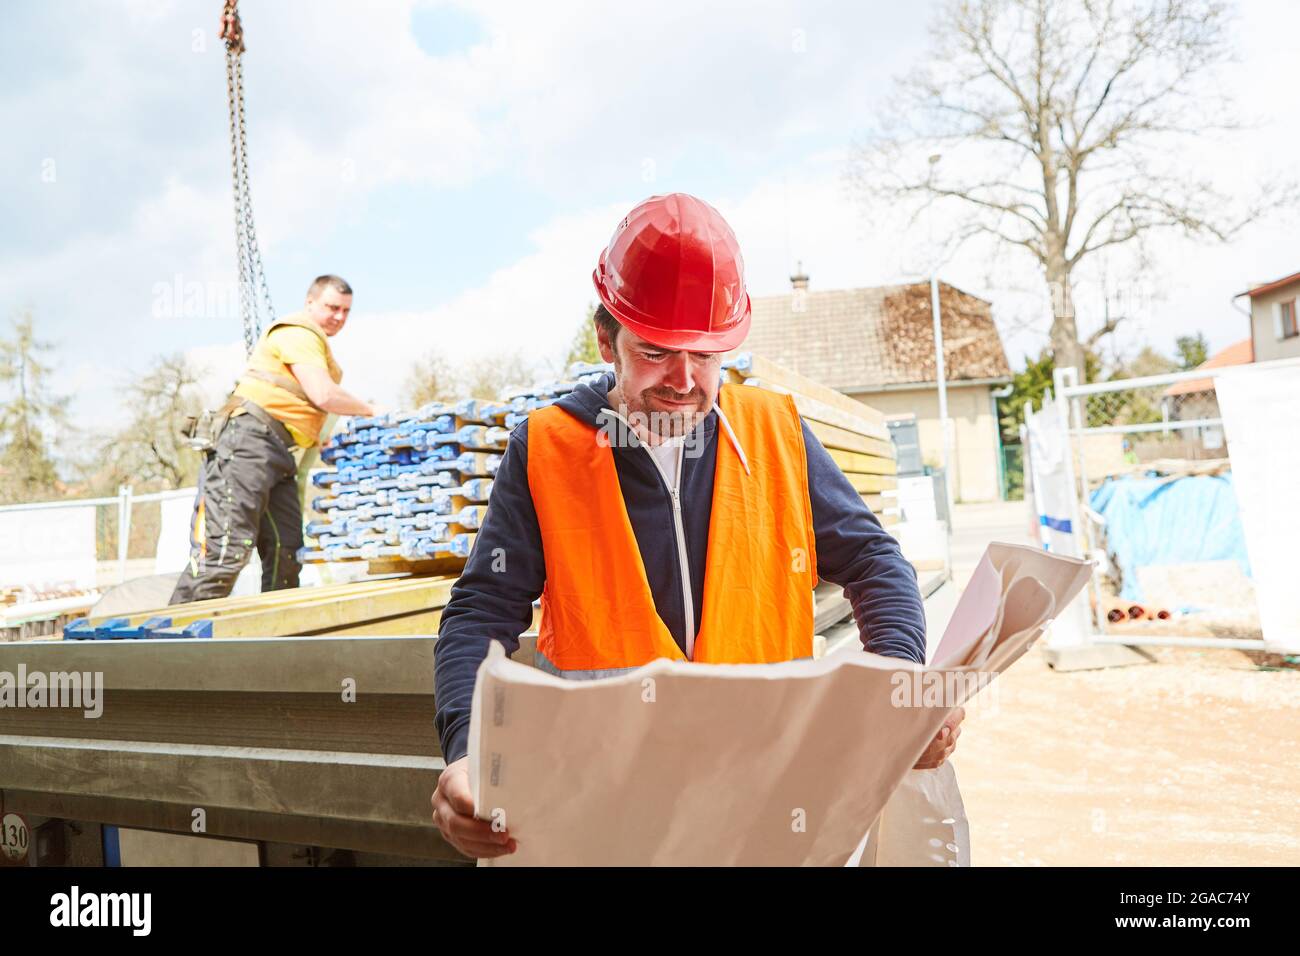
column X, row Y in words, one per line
column 1152, row 521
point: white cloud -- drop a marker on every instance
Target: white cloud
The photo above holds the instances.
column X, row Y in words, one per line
column 345, row 105
column 533, row 306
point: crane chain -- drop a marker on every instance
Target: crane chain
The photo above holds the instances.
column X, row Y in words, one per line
column 253, row 291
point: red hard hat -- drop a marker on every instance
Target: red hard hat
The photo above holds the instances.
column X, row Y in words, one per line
column 673, row 275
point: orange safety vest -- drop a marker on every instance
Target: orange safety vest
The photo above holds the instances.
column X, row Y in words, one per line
column 598, row 612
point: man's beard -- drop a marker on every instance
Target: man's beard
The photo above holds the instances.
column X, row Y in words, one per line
column 662, row 421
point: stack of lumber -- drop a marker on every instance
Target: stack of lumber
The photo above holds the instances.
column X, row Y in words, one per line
column 857, row 439
column 407, row 492
column 409, row 485
column 43, row 616
column 407, row 605
column 10, row 596
column 854, row 434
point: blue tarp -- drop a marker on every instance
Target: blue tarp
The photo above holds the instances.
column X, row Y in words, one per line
column 1169, row 521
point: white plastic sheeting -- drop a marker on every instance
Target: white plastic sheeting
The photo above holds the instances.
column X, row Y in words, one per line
column 48, row 547
column 1261, row 418
column 1049, row 448
column 173, row 551
column 1053, row 492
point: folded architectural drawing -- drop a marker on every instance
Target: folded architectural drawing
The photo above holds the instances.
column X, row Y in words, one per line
column 678, row 763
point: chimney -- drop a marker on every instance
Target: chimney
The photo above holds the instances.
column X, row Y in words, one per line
column 799, row 298
column 800, row 279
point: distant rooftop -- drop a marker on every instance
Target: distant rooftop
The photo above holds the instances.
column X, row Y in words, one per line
column 857, row 340
column 1273, row 286
column 1238, row 353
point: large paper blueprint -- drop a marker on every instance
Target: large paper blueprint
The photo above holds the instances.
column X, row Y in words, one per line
column 678, row 763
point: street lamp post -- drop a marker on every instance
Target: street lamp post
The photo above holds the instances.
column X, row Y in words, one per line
column 945, row 425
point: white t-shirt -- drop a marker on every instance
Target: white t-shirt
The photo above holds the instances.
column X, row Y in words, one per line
column 667, row 452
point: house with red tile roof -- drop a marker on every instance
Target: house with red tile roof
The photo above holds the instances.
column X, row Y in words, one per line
column 877, row 346
column 1274, row 319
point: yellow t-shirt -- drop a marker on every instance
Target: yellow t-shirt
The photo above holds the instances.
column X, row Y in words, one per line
column 280, row 347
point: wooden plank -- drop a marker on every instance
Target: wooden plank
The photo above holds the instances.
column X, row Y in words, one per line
column 213, row 606
column 830, row 606
column 306, row 611
column 446, row 565
column 821, row 412
column 885, row 509
column 870, row 483
column 333, row 613
column 413, row 624
column 768, row 371
column 818, row 411
column 876, row 503
column 866, row 464
column 833, row 437
column 200, row 610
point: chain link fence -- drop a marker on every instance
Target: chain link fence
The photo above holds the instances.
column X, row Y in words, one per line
column 1159, row 512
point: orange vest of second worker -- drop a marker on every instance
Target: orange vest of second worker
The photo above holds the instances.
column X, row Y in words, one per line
column 598, row 611
column 269, row 382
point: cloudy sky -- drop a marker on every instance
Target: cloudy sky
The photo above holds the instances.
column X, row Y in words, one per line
column 462, row 164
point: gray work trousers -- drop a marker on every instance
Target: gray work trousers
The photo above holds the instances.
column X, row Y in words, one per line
column 248, row 496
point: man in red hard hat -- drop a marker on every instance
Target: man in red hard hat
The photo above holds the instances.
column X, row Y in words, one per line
column 659, row 513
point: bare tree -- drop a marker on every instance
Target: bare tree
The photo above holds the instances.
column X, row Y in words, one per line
column 493, row 376
column 432, row 379
column 1070, row 124
column 429, row 380
column 150, row 451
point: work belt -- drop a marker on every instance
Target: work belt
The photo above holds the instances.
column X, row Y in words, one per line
column 235, row 405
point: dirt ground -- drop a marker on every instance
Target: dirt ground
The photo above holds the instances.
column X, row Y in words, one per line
column 1193, row 760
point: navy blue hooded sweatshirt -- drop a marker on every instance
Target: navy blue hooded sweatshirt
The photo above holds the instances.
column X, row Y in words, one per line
column 493, row 600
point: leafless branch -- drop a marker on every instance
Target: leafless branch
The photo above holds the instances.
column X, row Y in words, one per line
column 1062, row 115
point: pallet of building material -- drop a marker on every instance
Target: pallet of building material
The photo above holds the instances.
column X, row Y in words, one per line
column 407, row 491
column 884, row 508
column 406, row 605
column 217, row 607
column 388, row 499
column 748, row 365
column 814, row 401
column 833, row 437
column 34, row 619
column 407, row 487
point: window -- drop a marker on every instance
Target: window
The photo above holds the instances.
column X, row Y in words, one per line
column 1286, row 320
